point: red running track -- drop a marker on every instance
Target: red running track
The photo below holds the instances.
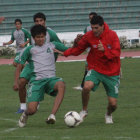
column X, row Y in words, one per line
column 77, row 58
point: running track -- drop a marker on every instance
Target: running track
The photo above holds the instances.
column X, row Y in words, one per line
column 133, row 54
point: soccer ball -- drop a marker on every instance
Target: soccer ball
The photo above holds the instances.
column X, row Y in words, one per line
column 72, row 119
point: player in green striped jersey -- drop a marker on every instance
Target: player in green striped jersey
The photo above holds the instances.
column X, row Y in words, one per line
column 39, row 18
column 40, row 57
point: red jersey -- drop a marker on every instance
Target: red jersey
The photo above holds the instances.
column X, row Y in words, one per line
column 107, row 62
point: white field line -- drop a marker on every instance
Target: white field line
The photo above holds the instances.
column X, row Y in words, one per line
column 11, row 120
column 9, row 129
column 34, row 137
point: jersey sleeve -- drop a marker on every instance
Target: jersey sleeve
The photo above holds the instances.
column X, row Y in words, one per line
column 115, row 51
column 60, row 46
column 27, row 34
column 12, row 36
column 82, row 45
column 53, row 36
column 85, row 30
column 25, row 55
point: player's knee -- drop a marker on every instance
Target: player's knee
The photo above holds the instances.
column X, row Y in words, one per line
column 32, row 111
column 87, row 87
column 60, row 85
column 22, row 83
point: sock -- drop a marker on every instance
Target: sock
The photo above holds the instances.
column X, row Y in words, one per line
column 23, row 106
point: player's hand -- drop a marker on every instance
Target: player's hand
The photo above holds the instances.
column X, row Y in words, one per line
column 15, row 87
column 57, row 51
column 77, row 39
column 100, row 46
column 4, row 44
column 22, row 45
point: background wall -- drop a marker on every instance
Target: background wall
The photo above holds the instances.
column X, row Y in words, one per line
column 70, row 15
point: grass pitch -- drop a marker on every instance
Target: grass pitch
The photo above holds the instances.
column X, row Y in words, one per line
column 126, row 118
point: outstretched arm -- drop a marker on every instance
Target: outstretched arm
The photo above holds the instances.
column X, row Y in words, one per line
column 8, row 43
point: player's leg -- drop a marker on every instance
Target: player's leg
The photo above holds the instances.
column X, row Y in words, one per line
column 35, row 94
column 91, row 83
column 22, row 94
column 82, row 84
column 112, row 105
column 15, row 64
column 88, row 85
column 58, row 91
column 111, row 84
column 60, row 88
column 23, row 81
column 86, row 71
column 32, row 108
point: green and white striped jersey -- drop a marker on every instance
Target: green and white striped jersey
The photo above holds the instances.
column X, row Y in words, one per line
column 41, row 59
column 20, row 36
column 87, row 29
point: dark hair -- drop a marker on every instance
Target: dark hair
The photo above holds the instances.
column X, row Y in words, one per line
column 97, row 20
column 37, row 30
column 39, row 15
column 93, row 13
column 18, row 20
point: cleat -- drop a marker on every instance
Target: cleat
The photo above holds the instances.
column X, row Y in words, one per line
column 20, row 111
column 108, row 119
column 23, row 119
column 83, row 114
column 51, row 119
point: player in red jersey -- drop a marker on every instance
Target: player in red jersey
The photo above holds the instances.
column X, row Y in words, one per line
column 103, row 64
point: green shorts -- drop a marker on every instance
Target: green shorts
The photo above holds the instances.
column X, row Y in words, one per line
column 38, row 88
column 16, row 60
column 26, row 72
column 111, row 83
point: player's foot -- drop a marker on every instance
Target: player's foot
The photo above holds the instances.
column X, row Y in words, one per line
column 108, row 119
column 20, row 111
column 23, row 119
column 51, row 119
column 83, row 114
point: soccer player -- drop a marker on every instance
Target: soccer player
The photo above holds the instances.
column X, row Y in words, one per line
column 87, row 29
column 43, row 79
column 22, row 38
column 105, row 51
column 39, row 18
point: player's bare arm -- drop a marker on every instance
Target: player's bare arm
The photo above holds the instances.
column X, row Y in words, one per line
column 8, row 43
column 25, row 43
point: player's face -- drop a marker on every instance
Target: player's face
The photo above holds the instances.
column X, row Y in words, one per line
column 97, row 29
column 40, row 21
column 18, row 25
column 39, row 39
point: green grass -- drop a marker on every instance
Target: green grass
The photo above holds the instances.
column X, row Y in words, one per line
column 126, row 118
